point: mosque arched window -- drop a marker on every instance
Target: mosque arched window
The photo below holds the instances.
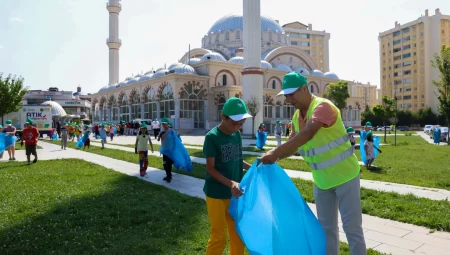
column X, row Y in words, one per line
column 135, row 101
column 270, row 36
column 150, row 106
column 227, row 36
column 274, row 84
column 238, row 35
column 279, row 37
column 192, row 103
column 167, row 104
column 210, row 39
column 124, row 110
column 220, row 104
column 268, row 105
column 217, row 37
column 224, row 80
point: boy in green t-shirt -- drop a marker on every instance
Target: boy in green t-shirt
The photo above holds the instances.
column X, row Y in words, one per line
column 224, row 164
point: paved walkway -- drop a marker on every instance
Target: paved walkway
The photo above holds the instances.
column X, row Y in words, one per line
column 381, row 234
column 424, row 192
column 428, row 139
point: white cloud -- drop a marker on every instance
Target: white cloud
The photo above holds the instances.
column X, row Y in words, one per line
column 17, row 19
column 1, row 46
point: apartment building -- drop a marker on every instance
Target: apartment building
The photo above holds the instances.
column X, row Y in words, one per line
column 406, row 52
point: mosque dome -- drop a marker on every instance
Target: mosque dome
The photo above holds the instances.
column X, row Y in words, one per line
column 148, row 72
column 317, row 73
column 159, row 69
column 283, row 67
column 160, row 73
column 194, row 61
column 146, row 77
column 302, row 70
column 182, row 68
column 237, row 60
column 105, row 88
column 233, row 22
column 331, row 75
column 265, row 64
column 57, row 109
column 213, row 56
column 122, row 83
column 132, row 81
column 129, row 78
column 173, row 65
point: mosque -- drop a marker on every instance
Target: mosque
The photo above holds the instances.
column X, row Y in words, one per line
column 193, row 91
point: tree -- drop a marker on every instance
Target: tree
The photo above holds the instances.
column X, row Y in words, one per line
column 442, row 63
column 337, row 93
column 11, row 94
column 253, row 108
column 385, row 111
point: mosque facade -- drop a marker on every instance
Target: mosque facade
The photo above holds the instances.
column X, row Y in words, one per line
column 193, row 91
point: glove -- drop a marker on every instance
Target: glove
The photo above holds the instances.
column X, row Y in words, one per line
column 135, row 150
column 21, row 143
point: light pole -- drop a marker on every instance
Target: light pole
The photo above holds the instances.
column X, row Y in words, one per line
column 395, row 122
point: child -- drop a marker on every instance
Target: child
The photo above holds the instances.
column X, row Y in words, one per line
column 71, row 132
column 77, row 133
column 103, row 136
column 224, row 162
column 167, row 162
column 87, row 141
column 30, row 135
column 368, row 147
column 141, row 148
column 350, row 133
column 111, row 132
column 64, row 136
column 1, row 153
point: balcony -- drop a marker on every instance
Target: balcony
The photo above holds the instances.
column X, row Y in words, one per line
column 113, row 40
column 113, row 5
column 114, row 8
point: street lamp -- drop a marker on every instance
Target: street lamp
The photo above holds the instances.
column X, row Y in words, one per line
column 395, row 122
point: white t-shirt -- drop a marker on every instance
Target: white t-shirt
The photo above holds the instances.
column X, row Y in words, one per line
column 155, row 124
column 142, row 142
column 369, row 152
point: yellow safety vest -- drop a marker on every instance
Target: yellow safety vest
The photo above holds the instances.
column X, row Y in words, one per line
column 329, row 153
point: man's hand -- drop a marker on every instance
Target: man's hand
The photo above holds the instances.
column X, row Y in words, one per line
column 269, row 157
column 235, row 191
column 135, row 150
column 21, row 143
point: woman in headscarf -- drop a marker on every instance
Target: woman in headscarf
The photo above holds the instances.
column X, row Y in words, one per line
column 437, row 135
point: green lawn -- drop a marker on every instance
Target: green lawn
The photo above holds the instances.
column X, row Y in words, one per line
column 398, row 164
column 22, row 148
column 401, row 140
column 417, row 207
column 88, row 209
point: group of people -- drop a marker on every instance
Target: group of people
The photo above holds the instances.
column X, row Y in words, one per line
column 30, row 136
column 319, row 135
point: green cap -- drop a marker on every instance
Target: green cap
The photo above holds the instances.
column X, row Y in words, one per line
column 165, row 121
column 143, row 125
column 369, row 134
column 86, row 126
column 236, row 109
column 350, row 130
column 368, row 124
column 8, row 122
column 261, row 124
column 1, row 126
column 29, row 121
column 278, row 121
column 291, row 82
column 65, row 123
column 103, row 125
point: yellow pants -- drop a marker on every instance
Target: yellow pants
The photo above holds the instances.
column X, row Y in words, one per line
column 219, row 219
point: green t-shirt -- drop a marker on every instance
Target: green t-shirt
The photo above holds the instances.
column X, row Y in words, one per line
column 227, row 150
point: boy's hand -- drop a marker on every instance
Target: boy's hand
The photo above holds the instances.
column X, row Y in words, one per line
column 135, row 150
column 235, row 191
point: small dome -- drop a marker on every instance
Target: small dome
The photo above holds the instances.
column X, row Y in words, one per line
column 182, row 68
column 57, row 109
column 129, row 78
column 138, row 76
column 283, row 67
column 146, row 77
column 122, row 83
column 160, row 73
column 105, row 88
column 233, row 22
column 159, row 69
column 331, row 75
column 303, row 71
column 317, row 73
column 265, row 64
column 148, row 72
column 194, row 61
column 132, row 81
column 237, row 60
column 173, row 65
column 213, row 56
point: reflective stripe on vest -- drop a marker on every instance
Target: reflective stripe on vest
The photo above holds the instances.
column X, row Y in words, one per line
column 332, row 161
column 324, row 148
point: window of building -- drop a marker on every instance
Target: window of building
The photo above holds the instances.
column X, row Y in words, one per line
column 320, row 38
column 396, row 42
column 406, row 47
column 192, row 103
column 306, row 44
column 395, row 66
column 224, row 80
column 167, row 104
column 421, row 25
column 268, row 106
column 397, row 33
column 307, row 52
column 294, row 43
column 313, row 45
column 406, row 97
column 406, row 63
column 135, row 105
column 321, row 53
column 405, row 39
column 422, row 96
column 405, row 30
column 407, row 72
column 414, row 53
column 274, row 84
column 407, row 55
column 396, row 49
column 278, row 111
column 407, row 89
column 421, row 34
column 320, row 46
column 238, row 34
column 414, row 28
column 415, row 97
column 397, row 58
column 443, row 31
column 150, row 106
column 406, row 80
column 279, row 37
column 397, row 82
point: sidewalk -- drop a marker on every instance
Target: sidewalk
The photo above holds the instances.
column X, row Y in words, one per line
column 403, row 189
column 382, row 235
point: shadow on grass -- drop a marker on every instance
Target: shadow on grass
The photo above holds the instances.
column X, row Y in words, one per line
column 88, row 209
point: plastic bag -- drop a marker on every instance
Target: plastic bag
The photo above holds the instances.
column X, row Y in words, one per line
column 6, row 140
column 272, row 217
column 261, row 138
column 175, row 150
column 55, row 136
column 362, row 150
column 81, row 142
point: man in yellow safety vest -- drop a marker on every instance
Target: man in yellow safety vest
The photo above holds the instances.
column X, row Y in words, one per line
column 321, row 138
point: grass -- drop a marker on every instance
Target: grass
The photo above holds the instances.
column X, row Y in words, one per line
column 401, row 140
column 89, row 209
column 417, row 206
column 22, row 148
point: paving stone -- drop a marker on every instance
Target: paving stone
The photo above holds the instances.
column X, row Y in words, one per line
column 392, row 240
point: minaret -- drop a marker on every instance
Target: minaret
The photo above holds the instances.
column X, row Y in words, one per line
column 252, row 76
column 113, row 42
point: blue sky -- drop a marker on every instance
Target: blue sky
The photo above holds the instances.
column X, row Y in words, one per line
column 62, row 43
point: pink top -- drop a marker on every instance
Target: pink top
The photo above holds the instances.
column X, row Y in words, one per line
column 111, row 130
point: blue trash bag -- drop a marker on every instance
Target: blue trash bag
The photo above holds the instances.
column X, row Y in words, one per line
column 175, row 150
column 362, row 150
column 261, row 138
column 55, row 136
column 6, row 140
column 115, row 131
column 272, row 217
column 83, row 139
